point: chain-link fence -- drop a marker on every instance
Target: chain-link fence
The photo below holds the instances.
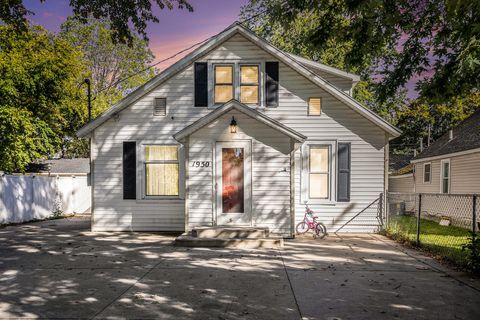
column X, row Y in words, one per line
column 439, row 223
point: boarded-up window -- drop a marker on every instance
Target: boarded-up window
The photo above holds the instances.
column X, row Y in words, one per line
column 161, row 170
column 314, row 106
column 319, row 172
column 223, row 83
column 160, row 107
column 249, row 80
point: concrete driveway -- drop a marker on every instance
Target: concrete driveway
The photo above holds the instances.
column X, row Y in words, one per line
column 57, row 269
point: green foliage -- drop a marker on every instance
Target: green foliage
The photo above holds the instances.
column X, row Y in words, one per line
column 399, row 38
column 108, row 61
column 421, row 114
column 23, row 138
column 126, row 17
column 295, row 37
column 473, row 253
column 39, row 97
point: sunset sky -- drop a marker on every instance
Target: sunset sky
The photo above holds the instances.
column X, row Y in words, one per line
column 178, row 29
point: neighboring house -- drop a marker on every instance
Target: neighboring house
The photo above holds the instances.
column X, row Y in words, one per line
column 238, row 133
column 400, row 175
column 452, row 163
column 61, row 167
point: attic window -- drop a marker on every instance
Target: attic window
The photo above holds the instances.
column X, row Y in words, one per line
column 314, row 106
column 160, row 107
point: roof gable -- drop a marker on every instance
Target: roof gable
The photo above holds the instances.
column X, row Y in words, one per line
column 214, row 42
column 466, row 136
column 236, row 105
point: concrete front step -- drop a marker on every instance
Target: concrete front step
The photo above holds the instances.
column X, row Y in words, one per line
column 187, row 240
column 227, row 232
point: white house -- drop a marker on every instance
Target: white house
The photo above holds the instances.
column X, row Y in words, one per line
column 238, row 133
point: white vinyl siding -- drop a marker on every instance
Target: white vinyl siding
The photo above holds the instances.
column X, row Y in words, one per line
column 271, row 194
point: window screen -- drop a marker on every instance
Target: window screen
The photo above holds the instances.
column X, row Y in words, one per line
column 161, row 170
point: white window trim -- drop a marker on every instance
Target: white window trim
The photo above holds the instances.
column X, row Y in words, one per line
column 141, row 168
column 430, row 175
column 304, row 180
column 236, row 80
column 442, row 162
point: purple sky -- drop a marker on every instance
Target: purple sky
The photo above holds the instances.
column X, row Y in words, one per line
column 177, row 30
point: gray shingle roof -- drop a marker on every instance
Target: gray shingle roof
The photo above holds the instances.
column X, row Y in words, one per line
column 466, row 136
column 77, row 165
column 398, row 161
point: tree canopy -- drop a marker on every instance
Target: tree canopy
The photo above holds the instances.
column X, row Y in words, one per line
column 108, row 62
column 40, row 101
column 126, row 17
column 402, row 38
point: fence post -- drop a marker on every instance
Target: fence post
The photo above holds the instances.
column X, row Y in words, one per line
column 418, row 217
column 474, row 219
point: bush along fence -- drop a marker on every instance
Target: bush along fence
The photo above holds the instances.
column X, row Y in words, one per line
column 28, row 198
column 445, row 225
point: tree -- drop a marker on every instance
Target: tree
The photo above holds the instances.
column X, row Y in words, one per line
column 107, row 61
column 40, row 101
column 412, row 32
column 421, row 115
column 126, row 17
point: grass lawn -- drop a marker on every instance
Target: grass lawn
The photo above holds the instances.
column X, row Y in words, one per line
column 443, row 241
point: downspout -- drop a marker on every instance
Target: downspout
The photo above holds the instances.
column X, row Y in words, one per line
column 386, row 159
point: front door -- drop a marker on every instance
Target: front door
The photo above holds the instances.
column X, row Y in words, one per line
column 233, row 183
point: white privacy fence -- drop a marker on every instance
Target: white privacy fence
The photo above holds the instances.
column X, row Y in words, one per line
column 26, row 198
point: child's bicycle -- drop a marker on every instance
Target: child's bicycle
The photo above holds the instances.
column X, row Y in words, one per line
column 318, row 228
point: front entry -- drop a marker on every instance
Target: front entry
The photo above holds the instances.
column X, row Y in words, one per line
column 233, row 183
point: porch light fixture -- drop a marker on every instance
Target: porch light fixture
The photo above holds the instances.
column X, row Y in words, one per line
column 233, row 125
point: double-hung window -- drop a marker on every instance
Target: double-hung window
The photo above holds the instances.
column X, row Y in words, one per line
column 249, row 84
column 427, row 172
column 319, row 172
column 445, row 176
column 161, row 170
column 223, row 83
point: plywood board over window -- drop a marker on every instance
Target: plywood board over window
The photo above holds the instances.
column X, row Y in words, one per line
column 314, row 106
column 161, row 170
column 249, row 84
column 223, row 83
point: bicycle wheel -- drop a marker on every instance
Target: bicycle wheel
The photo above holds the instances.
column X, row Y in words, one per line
column 320, row 230
column 302, row 227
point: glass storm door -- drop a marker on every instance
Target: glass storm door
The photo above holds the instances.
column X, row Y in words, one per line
column 233, row 183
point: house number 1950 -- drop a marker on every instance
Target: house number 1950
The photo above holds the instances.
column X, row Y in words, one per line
column 201, row 164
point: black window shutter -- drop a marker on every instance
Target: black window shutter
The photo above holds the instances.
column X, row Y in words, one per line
column 129, row 170
column 343, row 176
column 271, row 84
column 201, row 84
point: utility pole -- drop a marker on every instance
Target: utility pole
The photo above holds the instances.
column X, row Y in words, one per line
column 89, row 95
column 429, row 134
